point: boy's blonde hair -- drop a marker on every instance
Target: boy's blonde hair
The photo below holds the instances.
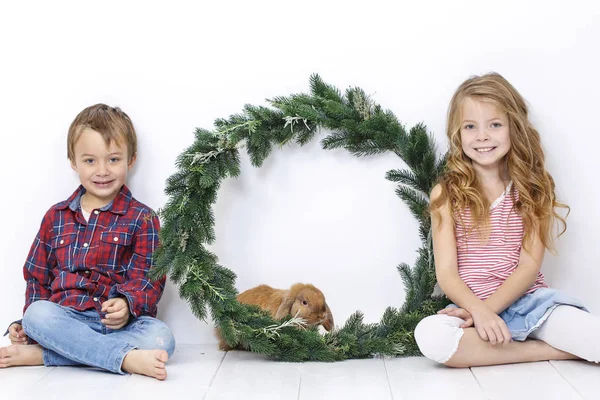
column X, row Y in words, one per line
column 524, row 163
column 111, row 122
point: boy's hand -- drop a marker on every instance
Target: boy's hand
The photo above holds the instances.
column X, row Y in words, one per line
column 117, row 313
column 460, row 313
column 16, row 334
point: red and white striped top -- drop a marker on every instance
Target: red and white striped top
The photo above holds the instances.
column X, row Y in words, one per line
column 484, row 266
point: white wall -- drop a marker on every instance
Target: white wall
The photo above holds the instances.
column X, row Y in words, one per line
column 307, row 215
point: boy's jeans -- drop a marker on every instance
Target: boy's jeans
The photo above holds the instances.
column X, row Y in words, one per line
column 71, row 337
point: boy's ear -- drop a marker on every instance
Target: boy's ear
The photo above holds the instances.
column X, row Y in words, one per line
column 132, row 161
column 74, row 166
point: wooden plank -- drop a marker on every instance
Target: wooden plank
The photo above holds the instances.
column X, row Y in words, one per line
column 245, row 375
column 583, row 376
column 78, row 383
column 526, row 381
column 420, row 378
column 19, row 381
column 352, row 379
column 190, row 370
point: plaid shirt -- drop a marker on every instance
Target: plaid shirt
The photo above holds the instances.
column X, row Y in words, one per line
column 81, row 264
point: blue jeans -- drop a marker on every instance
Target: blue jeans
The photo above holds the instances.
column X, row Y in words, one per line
column 71, row 337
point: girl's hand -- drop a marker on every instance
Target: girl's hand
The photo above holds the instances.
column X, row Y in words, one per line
column 460, row 313
column 16, row 334
column 490, row 326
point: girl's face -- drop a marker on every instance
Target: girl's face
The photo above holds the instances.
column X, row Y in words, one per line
column 484, row 133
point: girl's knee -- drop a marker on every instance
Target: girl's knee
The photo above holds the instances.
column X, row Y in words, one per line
column 438, row 336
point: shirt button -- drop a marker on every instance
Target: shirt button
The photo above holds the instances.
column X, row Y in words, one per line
column 95, row 299
column 62, row 241
column 96, row 212
column 116, row 239
column 87, row 272
column 85, row 245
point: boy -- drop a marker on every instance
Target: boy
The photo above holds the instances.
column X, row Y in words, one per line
column 88, row 298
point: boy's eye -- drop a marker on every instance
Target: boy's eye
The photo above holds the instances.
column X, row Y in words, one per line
column 114, row 160
column 88, row 160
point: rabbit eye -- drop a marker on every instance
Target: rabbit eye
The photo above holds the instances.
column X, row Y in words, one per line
column 305, row 302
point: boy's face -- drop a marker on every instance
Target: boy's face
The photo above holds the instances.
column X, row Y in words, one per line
column 102, row 169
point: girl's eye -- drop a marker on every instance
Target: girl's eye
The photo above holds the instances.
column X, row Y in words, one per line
column 469, row 126
column 496, row 125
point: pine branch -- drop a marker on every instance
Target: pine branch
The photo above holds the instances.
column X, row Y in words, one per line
column 357, row 124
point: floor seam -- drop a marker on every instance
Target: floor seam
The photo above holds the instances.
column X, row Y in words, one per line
column 388, row 379
column 300, row 382
column 479, row 384
column 212, row 379
column 566, row 380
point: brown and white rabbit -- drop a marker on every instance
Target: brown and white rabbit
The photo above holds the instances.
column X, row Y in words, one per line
column 301, row 299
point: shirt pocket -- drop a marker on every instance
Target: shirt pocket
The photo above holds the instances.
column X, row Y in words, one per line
column 62, row 249
column 116, row 250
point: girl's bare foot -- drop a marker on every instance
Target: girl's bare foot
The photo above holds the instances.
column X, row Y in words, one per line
column 14, row 355
column 146, row 362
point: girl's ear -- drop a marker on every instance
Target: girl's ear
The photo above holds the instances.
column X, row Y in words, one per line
column 285, row 308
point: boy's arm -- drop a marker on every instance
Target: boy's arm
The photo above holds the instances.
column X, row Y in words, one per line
column 36, row 271
column 141, row 293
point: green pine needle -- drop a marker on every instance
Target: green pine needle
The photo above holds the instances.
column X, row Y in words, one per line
column 359, row 125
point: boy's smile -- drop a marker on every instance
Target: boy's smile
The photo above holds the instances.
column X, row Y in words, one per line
column 102, row 169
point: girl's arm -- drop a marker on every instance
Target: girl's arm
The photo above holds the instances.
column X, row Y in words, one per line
column 521, row 279
column 488, row 325
column 446, row 264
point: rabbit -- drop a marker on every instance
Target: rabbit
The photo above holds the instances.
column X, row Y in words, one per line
column 302, row 300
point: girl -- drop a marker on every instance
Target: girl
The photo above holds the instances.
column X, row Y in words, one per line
column 492, row 217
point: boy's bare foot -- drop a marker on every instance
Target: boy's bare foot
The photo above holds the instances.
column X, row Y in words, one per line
column 146, row 362
column 14, row 355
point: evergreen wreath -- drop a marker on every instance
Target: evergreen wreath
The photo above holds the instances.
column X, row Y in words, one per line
column 355, row 123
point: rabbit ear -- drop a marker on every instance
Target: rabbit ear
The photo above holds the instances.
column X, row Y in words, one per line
column 328, row 324
column 285, row 308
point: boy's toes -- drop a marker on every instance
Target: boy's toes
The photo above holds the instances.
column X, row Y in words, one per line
column 160, row 373
column 162, row 355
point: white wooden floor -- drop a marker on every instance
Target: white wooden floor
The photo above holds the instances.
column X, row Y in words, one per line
column 202, row 372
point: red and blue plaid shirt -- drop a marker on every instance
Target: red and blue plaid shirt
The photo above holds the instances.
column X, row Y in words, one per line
column 81, row 264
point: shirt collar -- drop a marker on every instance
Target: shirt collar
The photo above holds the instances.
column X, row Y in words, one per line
column 119, row 205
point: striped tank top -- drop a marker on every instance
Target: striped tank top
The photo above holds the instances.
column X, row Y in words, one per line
column 484, row 266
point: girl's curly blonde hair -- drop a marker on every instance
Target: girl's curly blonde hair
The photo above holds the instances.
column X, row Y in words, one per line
column 524, row 163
